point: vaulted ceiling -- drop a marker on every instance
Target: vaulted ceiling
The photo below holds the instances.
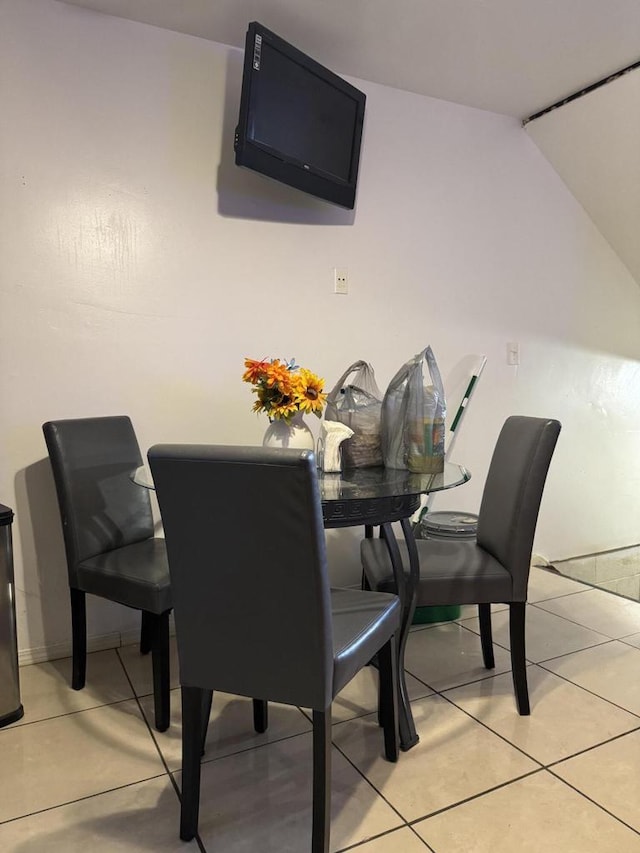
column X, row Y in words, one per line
column 515, row 57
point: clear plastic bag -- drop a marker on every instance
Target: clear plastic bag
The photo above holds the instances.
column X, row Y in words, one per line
column 358, row 405
column 413, row 412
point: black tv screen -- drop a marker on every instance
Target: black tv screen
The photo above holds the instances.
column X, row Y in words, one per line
column 299, row 122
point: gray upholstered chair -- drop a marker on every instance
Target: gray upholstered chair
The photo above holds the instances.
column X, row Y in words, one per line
column 494, row 567
column 108, row 534
column 254, row 612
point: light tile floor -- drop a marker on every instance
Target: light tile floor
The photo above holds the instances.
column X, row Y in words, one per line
column 87, row 770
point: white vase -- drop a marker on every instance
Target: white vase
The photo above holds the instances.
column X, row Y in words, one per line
column 293, row 434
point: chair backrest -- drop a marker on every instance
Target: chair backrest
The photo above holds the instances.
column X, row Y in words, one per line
column 101, row 508
column 513, row 492
column 247, row 561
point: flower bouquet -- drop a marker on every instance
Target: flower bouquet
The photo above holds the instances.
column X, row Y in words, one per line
column 284, row 389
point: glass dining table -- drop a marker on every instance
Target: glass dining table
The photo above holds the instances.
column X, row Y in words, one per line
column 379, row 497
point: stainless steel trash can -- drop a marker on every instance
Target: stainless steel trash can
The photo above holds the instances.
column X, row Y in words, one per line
column 10, row 706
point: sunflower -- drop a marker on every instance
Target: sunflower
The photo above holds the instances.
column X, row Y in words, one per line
column 308, row 392
column 275, row 402
column 284, row 409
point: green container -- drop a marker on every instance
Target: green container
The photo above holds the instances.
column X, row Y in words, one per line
column 427, row 615
column 443, row 525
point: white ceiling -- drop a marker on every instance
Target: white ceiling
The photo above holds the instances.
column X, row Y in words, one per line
column 515, row 57
column 509, row 56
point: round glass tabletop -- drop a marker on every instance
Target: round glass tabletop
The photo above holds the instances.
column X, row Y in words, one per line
column 365, row 483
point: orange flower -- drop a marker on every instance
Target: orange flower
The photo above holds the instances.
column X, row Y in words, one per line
column 255, row 370
column 277, row 374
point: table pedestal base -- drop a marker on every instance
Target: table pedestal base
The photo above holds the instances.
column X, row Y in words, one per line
column 406, row 587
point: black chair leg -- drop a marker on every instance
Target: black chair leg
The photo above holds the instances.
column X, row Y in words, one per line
column 160, row 662
column 146, row 634
column 207, row 699
column 193, row 704
column 486, row 637
column 79, row 638
column 388, row 697
column 260, row 715
column 381, row 709
column 321, row 822
column 517, row 611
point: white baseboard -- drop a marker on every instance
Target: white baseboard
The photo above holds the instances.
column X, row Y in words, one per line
column 55, row 651
column 539, row 560
column 39, row 654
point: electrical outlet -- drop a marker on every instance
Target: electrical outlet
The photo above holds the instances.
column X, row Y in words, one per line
column 513, row 353
column 340, row 281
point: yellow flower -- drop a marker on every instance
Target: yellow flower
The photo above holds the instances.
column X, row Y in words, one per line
column 308, row 392
column 284, row 409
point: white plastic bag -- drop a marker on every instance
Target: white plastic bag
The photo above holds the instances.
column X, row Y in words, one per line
column 413, row 412
column 358, row 405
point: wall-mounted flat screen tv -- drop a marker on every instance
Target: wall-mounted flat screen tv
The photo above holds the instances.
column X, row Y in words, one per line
column 299, row 122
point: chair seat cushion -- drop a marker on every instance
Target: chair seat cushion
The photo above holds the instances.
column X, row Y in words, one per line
column 452, row 571
column 360, row 622
column 136, row 575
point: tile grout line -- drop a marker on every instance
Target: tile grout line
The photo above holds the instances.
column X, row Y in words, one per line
column 81, row 799
column 593, row 586
column 371, row 838
column 543, row 766
column 606, row 639
column 595, row 802
column 497, row 734
column 573, row 622
column 606, row 642
column 368, row 781
column 477, row 796
column 244, row 749
column 428, row 846
column 410, row 824
column 518, row 779
column 587, row 690
column 168, row 772
column 23, row 725
column 541, row 769
column 612, row 739
column 73, row 713
column 383, row 835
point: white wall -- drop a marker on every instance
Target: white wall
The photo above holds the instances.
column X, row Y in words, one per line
column 593, row 143
column 140, row 266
